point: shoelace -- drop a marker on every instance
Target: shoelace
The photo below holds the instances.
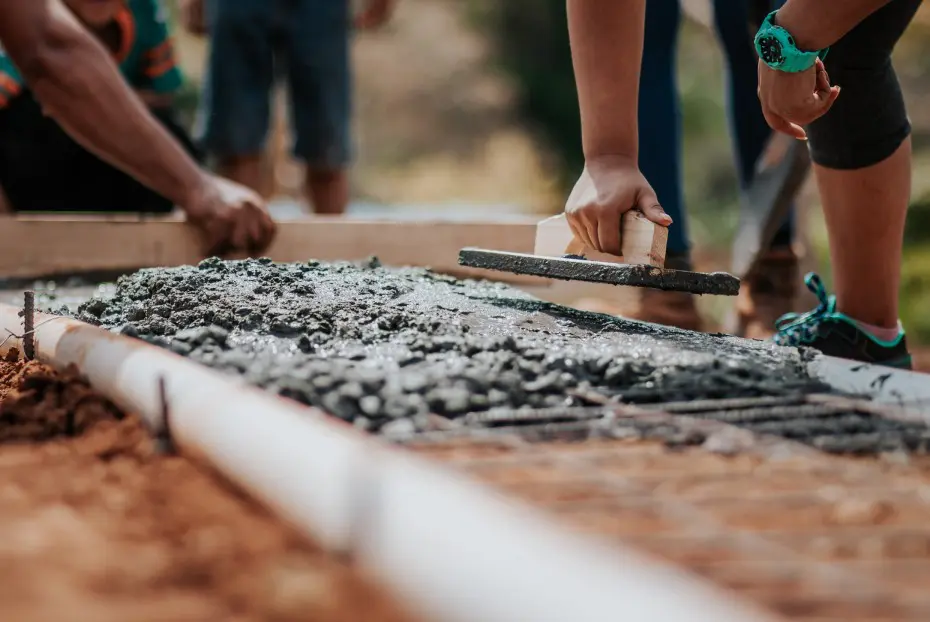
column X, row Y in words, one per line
column 800, row 328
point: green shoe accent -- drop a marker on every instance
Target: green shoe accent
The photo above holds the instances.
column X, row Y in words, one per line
column 836, row 334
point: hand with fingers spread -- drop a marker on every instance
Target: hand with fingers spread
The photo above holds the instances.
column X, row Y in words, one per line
column 608, row 187
column 793, row 100
column 230, row 218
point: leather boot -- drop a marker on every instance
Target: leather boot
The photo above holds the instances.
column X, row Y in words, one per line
column 766, row 294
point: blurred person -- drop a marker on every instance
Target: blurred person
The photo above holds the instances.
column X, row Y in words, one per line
column 44, row 169
column 860, row 144
column 770, row 291
column 78, row 84
column 253, row 44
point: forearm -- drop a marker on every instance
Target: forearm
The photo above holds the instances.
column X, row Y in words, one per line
column 79, row 85
column 607, row 48
column 818, row 24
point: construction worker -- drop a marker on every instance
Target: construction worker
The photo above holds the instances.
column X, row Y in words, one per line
column 861, row 149
column 306, row 42
column 771, row 289
column 862, row 168
column 77, row 83
column 41, row 167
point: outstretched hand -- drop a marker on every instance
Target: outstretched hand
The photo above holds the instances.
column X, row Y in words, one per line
column 793, row 100
column 608, row 187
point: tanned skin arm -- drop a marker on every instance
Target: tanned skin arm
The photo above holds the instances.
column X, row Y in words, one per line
column 607, row 50
column 79, row 85
column 818, row 24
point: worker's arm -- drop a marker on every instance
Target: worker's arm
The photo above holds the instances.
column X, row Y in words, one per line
column 792, row 100
column 607, row 49
column 80, row 86
column 816, row 24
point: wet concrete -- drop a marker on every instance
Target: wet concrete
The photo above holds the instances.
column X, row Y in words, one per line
column 384, row 347
column 67, row 292
column 577, row 268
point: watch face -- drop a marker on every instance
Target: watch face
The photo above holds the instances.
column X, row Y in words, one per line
column 770, row 50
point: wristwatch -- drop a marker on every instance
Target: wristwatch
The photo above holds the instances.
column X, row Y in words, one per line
column 777, row 49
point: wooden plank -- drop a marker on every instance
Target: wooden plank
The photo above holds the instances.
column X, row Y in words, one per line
column 643, row 242
column 33, row 246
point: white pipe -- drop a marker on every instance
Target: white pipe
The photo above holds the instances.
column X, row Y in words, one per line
column 451, row 548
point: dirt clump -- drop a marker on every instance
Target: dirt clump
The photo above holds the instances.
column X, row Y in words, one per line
column 39, row 404
column 98, row 525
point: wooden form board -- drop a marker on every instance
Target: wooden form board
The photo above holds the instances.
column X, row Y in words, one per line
column 33, row 246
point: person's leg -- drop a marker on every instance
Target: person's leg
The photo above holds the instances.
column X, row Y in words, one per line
column 660, row 157
column 862, row 160
column 748, row 129
column 318, row 68
column 660, row 160
column 771, row 290
column 865, row 211
column 235, row 112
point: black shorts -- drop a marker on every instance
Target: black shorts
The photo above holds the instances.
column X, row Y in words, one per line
column 42, row 169
column 868, row 122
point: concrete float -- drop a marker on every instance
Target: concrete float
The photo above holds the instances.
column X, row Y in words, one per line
column 451, row 548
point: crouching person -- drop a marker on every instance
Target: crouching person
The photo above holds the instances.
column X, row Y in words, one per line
column 41, row 167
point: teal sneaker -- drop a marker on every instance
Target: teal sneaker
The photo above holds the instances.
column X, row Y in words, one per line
column 835, row 334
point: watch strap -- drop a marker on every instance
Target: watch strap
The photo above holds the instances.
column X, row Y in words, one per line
column 794, row 60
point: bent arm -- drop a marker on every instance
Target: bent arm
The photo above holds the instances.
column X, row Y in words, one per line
column 79, row 85
column 607, row 49
column 816, row 24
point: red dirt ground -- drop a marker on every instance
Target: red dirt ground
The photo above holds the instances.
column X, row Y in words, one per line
column 101, row 527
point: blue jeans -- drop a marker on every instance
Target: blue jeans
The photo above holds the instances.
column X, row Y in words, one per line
column 660, row 154
column 256, row 42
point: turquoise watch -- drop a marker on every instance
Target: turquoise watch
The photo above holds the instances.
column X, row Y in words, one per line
column 777, row 49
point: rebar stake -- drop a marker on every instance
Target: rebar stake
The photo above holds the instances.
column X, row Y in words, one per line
column 29, row 311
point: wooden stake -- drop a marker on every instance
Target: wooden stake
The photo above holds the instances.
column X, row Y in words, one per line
column 29, row 325
column 641, row 240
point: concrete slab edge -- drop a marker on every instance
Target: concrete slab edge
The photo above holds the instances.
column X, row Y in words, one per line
column 903, row 389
